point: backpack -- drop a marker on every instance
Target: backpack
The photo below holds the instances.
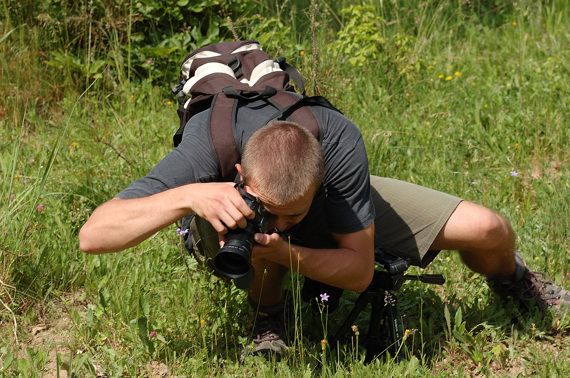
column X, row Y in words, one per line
column 219, row 76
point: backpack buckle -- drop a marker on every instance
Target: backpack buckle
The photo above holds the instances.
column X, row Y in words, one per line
column 235, row 64
column 179, row 87
column 282, row 62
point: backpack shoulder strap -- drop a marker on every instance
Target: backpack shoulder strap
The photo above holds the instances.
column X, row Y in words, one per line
column 301, row 115
column 298, row 109
column 222, row 118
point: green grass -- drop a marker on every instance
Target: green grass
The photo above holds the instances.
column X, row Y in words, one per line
column 503, row 109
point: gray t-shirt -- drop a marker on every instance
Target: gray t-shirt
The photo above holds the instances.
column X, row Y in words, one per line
column 346, row 186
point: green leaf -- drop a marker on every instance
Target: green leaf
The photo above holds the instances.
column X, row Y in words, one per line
column 5, row 36
column 23, row 366
column 104, row 297
column 7, row 361
column 447, row 316
column 142, row 330
column 75, row 316
column 458, row 317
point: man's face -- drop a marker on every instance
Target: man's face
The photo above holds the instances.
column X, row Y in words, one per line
column 283, row 217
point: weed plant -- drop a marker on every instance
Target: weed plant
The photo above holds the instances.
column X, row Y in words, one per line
column 465, row 97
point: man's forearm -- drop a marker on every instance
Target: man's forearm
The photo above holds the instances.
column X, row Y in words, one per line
column 122, row 223
column 350, row 266
column 343, row 268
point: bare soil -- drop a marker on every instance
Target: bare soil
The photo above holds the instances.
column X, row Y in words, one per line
column 52, row 333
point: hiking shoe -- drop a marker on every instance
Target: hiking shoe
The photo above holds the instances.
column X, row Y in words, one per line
column 530, row 287
column 267, row 336
column 268, row 330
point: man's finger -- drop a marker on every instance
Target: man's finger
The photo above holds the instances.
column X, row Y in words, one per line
column 261, row 239
column 241, row 205
column 218, row 226
column 237, row 218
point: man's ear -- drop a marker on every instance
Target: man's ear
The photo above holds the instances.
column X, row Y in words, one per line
column 238, row 167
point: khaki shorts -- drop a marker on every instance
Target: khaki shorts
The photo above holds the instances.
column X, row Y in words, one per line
column 408, row 218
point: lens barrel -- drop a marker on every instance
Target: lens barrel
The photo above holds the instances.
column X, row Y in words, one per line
column 234, row 259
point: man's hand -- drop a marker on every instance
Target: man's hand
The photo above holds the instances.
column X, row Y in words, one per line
column 268, row 246
column 221, row 205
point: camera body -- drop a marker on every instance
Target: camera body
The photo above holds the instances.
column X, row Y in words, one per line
column 234, row 259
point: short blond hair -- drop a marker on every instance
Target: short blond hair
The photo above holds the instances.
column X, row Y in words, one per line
column 283, row 161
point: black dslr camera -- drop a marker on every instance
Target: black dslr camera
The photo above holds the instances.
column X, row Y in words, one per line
column 234, row 259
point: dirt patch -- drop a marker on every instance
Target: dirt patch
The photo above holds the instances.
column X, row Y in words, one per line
column 157, row 369
column 51, row 333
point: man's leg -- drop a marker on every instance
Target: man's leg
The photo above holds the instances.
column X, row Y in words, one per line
column 267, row 287
column 269, row 324
column 484, row 238
column 265, row 295
column 486, row 243
column 415, row 222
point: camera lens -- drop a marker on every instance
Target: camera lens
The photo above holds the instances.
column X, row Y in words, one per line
column 234, row 258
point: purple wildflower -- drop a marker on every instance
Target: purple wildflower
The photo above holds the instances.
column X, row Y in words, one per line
column 514, row 173
column 182, row 232
column 152, row 335
column 324, row 297
column 40, row 208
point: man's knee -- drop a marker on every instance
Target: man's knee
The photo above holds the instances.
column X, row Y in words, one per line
column 493, row 229
column 475, row 227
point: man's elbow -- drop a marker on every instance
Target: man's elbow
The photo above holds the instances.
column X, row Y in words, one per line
column 364, row 280
column 88, row 243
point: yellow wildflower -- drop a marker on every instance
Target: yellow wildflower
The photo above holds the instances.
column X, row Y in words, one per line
column 355, row 330
column 486, row 106
column 516, row 145
column 448, row 78
column 302, row 53
column 515, row 23
column 16, row 176
column 440, row 76
column 74, row 144
column 457, row 73
column 430, row 67
column 202, row 322
column 169, row 103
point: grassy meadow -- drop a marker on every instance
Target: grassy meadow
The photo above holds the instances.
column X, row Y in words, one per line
column 467, row 97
